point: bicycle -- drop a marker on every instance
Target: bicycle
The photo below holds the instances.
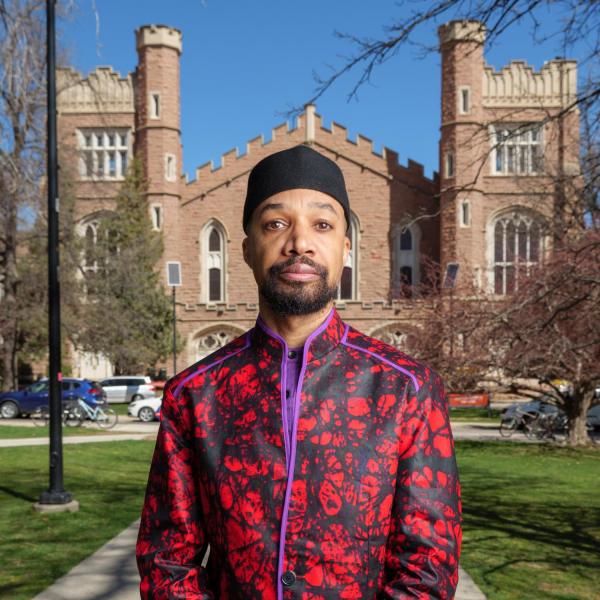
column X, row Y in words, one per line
column 521, row 419
column 106, row 418
column 546, row 425
column 70, row 417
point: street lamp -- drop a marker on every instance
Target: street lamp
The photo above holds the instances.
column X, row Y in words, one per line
column 56, row 498
column 174, row 280
column 449, row 283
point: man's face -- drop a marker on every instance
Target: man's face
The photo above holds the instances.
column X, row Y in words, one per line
column 296, row 248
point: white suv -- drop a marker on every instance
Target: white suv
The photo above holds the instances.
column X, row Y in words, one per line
column 125, row 388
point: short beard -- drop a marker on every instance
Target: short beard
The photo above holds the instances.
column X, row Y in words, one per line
column 297, row 298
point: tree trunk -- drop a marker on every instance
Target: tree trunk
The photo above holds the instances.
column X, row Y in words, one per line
column 8, row 304
column 577, row 414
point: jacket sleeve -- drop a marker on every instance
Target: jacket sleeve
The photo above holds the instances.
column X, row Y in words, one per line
column 423, row 546
column 171, row 540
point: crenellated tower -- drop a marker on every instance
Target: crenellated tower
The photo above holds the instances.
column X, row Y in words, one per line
column 158, row 126
column 462, row 137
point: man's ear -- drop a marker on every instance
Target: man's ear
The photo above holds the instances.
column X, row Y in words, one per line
column 347, row 248
column 245, row 250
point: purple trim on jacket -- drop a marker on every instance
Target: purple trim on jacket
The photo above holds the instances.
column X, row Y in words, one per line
column 291, row 455
column 381, row 358
column 283, row 372
column 206, row 367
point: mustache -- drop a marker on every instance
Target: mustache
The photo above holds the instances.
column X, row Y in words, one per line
column 279, row 267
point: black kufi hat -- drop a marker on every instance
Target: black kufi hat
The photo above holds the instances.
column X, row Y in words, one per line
column 297, row 167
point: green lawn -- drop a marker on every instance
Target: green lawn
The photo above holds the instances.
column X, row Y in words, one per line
column 107, row 478
column 531, row 520
column 531, row 515
column 22, row 431
column 475, row 414
column 120, row 409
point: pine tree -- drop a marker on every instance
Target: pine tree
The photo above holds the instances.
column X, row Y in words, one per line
column 127, row 312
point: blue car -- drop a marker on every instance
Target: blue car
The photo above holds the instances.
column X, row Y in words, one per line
column 24, row 402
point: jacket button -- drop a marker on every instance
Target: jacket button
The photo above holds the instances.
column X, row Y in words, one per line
column 288, row 578
column 292, row 354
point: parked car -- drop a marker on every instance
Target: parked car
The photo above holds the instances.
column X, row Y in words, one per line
column 593, row 417
column 26, row 401
column 145, row 410
column 125, row 388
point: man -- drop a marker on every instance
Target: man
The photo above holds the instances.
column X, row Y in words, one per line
column 304, row 459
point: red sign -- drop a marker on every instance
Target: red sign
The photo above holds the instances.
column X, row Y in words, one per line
column 469, row 400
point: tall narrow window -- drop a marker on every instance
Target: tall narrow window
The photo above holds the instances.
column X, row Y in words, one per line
column 89, row 262
column 170, row 167
column 517, row 247
column 156, row 215
column 349, row 282
column 213, row 263
column 464, row 100
column 449, row 164
column 465, row 213
column 154, row 105
column 406, row 259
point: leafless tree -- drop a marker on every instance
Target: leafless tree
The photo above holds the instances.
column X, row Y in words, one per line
column 548, row 333
column 549, row 329
column 22, row 120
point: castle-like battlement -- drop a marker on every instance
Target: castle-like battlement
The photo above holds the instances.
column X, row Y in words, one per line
column 158, row 35
column 462, row 31
column 517, row 84
column 103, row 90
column 315, row 132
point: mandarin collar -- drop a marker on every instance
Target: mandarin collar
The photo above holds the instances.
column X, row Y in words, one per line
column 321, row 341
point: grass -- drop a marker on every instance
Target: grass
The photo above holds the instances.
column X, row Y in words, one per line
column 108, row 479
column 22, row 431
column 531, row 515
column 531, row 520
column 120, row 409
column 475, row 414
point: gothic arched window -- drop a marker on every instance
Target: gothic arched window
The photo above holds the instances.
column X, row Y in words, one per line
column 517, row 247
column 348, row 289
column 406, row 259
column 213, row 263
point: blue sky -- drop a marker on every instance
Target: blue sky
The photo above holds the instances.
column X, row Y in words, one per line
column 246, row 62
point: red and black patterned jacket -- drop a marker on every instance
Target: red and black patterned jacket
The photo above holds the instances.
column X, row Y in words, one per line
column 362, row 502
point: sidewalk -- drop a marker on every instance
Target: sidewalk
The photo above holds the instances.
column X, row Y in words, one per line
column 75, row 439
column 111, row 573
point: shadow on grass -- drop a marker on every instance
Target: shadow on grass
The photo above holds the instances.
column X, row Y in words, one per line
column 17, row 494
column 529, row 513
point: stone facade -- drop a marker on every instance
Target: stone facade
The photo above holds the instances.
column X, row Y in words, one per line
column 400, row 217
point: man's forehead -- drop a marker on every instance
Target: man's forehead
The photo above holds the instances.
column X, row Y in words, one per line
column 300, row 199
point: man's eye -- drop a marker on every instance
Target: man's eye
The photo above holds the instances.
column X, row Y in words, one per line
column 274, row 225
column 323, row 226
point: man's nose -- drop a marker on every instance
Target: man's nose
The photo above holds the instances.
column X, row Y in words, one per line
column 300, row 240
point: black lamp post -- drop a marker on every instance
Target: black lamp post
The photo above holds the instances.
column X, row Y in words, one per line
column 174, row 280
column 449, row 283
column 55, row 498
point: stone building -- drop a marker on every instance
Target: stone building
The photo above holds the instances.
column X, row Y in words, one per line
column 486, row 211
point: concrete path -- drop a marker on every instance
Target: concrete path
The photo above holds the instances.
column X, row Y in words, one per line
column 136, row 430
column 75, row 439
column 111, row 572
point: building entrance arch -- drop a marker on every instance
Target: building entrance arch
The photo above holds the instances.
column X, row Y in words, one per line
column 211, row 338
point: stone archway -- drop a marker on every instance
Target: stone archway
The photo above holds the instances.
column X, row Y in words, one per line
column 209, row 340
column 395, row 334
